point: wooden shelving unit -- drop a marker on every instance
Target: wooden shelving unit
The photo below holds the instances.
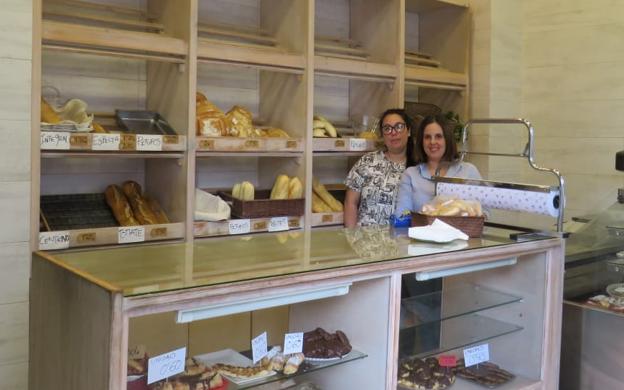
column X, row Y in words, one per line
column 285, row 61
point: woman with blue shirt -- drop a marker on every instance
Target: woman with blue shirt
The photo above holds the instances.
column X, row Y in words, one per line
column 435, row 155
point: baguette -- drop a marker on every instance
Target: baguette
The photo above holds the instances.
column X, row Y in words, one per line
column 118, row 203
column 161, row 216
column 142, row 212
column 322, row 192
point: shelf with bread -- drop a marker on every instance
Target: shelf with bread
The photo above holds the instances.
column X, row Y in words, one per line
column 273, row 38
column 327, row 204
column 348, row 45
column 342, row 138
column 116, row 30
column 121, row 215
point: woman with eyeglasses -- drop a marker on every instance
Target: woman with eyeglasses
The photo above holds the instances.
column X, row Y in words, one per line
column 372, row 183
column 436, row 155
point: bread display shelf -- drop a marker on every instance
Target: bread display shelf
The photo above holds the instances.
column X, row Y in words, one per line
column 340, row 48
column 435, row 77
column 345, row 144
column 109, row 236
column 431, row 5
column 235, row 144
column 327, row 219
column 76, row 36
column 110, row 142
column 333, row 66
column 241, row 226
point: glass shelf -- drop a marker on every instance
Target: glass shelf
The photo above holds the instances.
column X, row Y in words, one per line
column 304, row 368
column 449, row 303
column 437, row 337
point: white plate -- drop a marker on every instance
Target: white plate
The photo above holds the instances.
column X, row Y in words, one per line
column 233, row 358
column 313, row 360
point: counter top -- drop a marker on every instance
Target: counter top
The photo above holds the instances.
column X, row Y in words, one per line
column 147, row 269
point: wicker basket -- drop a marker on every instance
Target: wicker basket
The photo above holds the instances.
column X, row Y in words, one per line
column 263, row 207
column 472, row 226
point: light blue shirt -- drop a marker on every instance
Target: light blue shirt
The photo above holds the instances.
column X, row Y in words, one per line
column 416, row 187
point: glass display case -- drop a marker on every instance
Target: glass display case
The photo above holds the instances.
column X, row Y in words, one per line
column 92, row 310
column 593, row 305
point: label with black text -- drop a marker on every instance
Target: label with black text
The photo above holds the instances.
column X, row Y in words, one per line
column 357, row 144
column 278, row 224
column 163, row 366
column 239, row 226
column 149, row 142
column 106, row 141
column 53, row 140
column 54, row 240
column 131, row 234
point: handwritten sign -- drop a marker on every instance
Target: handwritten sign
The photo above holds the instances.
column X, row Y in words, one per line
column 357, row 144
column 447, row 360
column 165, row 365
column 278, row 224
column 54, row 240
column 149, row 142
column 106, row 141
column 293, row 343
column 127, row 235
column 52, row 140
column 239, row 226
column 259, row 347
column 476, row 355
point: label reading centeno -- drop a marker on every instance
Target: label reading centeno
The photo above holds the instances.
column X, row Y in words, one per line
column 52, row 140
column 54, row 240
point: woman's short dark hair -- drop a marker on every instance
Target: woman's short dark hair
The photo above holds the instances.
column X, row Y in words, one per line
column 450, row 152
column 409, row 150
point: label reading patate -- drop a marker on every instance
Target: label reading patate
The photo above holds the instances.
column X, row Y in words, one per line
column 106, row 141
column 163, row 366
column 239, row 226
column 52, row 140
column 54, row 240
column 127, row 235
column 278, row 224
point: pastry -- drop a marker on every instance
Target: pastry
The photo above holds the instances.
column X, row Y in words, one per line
column 487, row 374
column 424, row 374
column 211, row 121
column 118, row 203
column 293, row 363
column 141, row 210
column 241, row 372
column 153, row 204
column 321, row 344
column 240, row 121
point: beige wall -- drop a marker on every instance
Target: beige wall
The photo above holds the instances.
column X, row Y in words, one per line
column 15, row 84
column 558, row 64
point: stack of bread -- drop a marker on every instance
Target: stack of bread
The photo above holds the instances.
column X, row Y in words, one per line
column 322, row 128
column 73, row 112
column 237, row 122
column 322, row 200
column 287, row 188
column 131, row 207
column 444, row 206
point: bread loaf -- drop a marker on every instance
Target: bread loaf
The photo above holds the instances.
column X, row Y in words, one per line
column 118, row 203
column 48, row 115
column 295, row 188
column 210, row 120
column 328, row 198
column 318, row 206
column 280, row 188
column 161, row 216
column 240, row 121
column 142, row 212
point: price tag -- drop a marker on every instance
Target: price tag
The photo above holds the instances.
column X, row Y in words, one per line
column 165, row 365
column 239, row 226
column 357, row 144
column 149, row 142
column 293, row 343
column 259, row 347
column 126, row 235
column 447, row 360
column 52, row 140
column 106, row 141
column 53, row 240
column 476, row 355
column 278, row 224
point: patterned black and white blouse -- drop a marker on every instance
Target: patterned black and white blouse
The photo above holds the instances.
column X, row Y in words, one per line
column 377, row 180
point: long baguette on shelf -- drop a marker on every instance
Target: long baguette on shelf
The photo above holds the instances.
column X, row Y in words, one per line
column 320, row 190
column 319, row 206
column 140, row 208
column 323, row 128
column 280, row 188
column 118, row 203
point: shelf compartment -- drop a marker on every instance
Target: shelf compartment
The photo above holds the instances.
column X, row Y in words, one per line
column 327, row 219
column 431, row 5
column 450, row 303
column 268, row 57
column 374, row 71
column 98, row 142
column 224, row 228
column 235, row 144
column 107, row 236
column 435, row 77
column 451, row 334
column 61, row 34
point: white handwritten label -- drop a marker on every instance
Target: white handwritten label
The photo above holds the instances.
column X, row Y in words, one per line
column 165, row 365
column 149, row 142
column 52, row 140
column 293, row 343
column 53, row 240
column 357, row 144
column 476, row 355
column 278, row 224
column 239, row 226
column 106, row 141
column 126, row 235
column 259, row 347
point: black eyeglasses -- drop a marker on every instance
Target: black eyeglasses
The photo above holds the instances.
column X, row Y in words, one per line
column 398, row 128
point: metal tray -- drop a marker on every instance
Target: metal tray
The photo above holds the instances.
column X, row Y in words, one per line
column 143, row 122
column 76, row 211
